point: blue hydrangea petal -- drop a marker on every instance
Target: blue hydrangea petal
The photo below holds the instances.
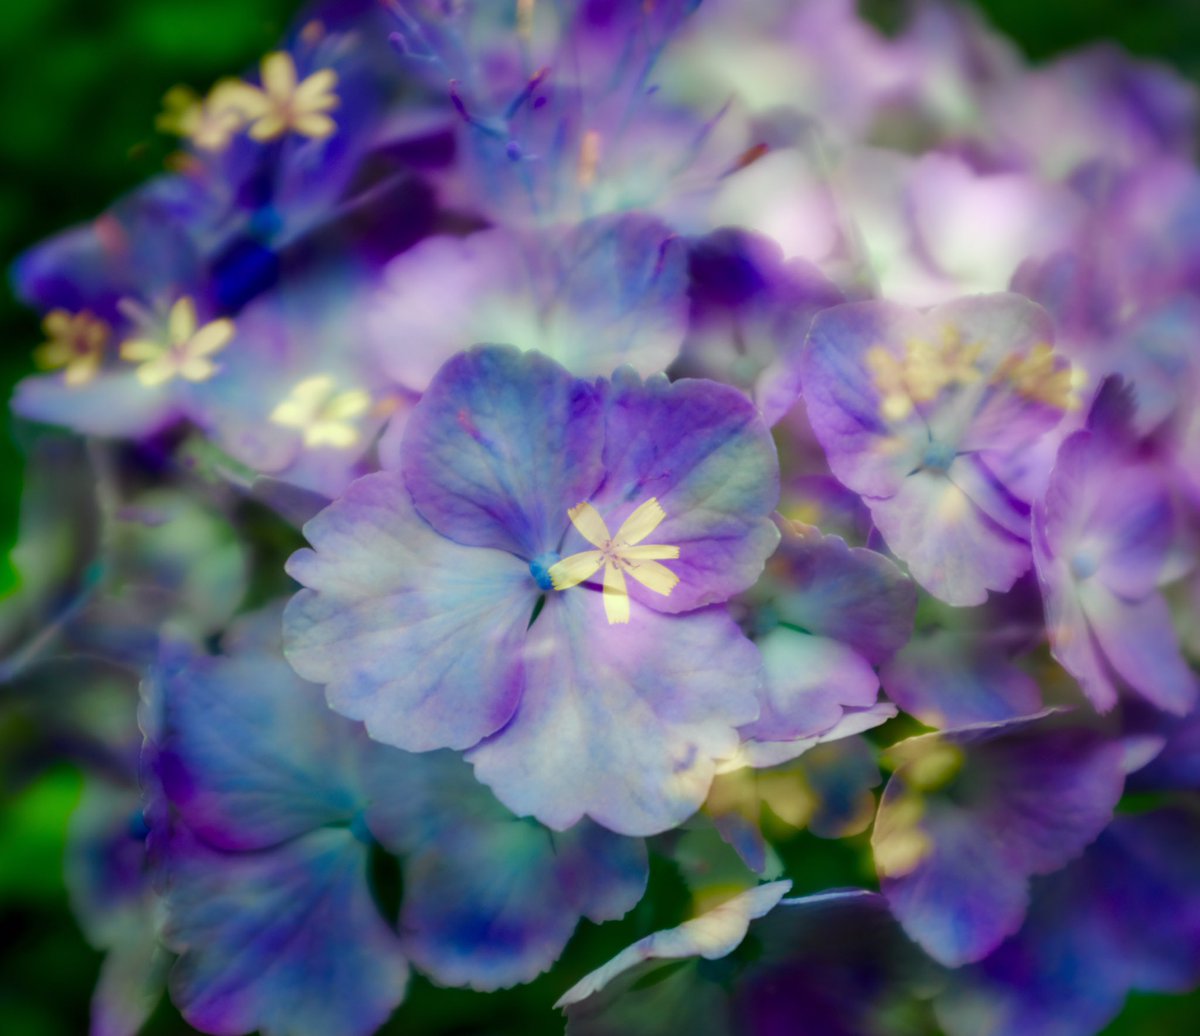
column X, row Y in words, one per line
column 492, row 904
column 972, row 814
column 499, row 447
column 950, row 679
column 286, row 940
column 247, row 752
column 621, row 723
column 701, row 449
column 490, row 899
column 410, row 632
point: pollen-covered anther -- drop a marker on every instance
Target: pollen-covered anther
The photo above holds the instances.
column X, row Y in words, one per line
column 924, row 370
column 324, row 415
column 74, row 344
column 619, row 555
column 283, row 104
column 1043, row 376
column 182, row 349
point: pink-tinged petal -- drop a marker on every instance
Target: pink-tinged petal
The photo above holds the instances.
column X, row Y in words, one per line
column 410, row 632
column 1139, row 641
column 621, row 723
column 286, row 940
column 704, row 452
column 499, row 447
column 971, row 815
column 952, row 548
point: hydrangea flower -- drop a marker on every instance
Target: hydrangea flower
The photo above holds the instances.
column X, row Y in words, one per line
column 422, row 584
column 927, row 416
column 1103, row 533
column 265, row 808
column 1122, row 917
column 971, row 814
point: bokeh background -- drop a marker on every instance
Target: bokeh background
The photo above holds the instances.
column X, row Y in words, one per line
column 80, row 84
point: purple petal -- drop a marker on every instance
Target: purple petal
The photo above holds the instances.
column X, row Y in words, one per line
column 499, row 447
column 704, row 452
column 621, row 723
column 809, row 681
column 112, row 405
column 411, row 632
column 950, row 679
column 971, row 815
column 852, row 595
column 952, row 548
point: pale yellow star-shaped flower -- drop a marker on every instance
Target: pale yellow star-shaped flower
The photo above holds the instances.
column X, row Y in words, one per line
column 323, row 414
column 619, row 555
column 283, row 104
column 184, row 350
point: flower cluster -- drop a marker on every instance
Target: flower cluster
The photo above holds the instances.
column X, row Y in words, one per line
column 520, row 449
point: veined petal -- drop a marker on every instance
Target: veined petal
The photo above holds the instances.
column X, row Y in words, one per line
column 591, row 526
column 649, row 552
column 574, row 570
column 640, row 524
column 616, row 595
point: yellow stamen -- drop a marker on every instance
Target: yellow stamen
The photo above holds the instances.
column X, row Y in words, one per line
column 620, row 555
column 923, row 371
column 1043, row 376
column 589, row 158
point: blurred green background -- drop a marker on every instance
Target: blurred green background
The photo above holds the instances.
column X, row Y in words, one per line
column 80, row 84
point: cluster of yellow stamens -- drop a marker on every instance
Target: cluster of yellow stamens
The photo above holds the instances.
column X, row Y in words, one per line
column 925, row 369
column 1043, row 376
column 282, row 104
column 323, row 414
column 619, row 555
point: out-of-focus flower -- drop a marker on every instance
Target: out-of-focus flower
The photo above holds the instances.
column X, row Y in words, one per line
column 321, row 412
column 75, row 345
column 282, row 104
column 1124, row 916
column 971, row 814
column 265, row 808
column 207, row 122
column 422, row 611
column 1102, row 536
column 182, row 349
column 927, row 416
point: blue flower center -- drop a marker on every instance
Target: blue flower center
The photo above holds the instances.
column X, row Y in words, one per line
column 1083, row 565
column 359, row 829
column 540, row 567
column 938, row 456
